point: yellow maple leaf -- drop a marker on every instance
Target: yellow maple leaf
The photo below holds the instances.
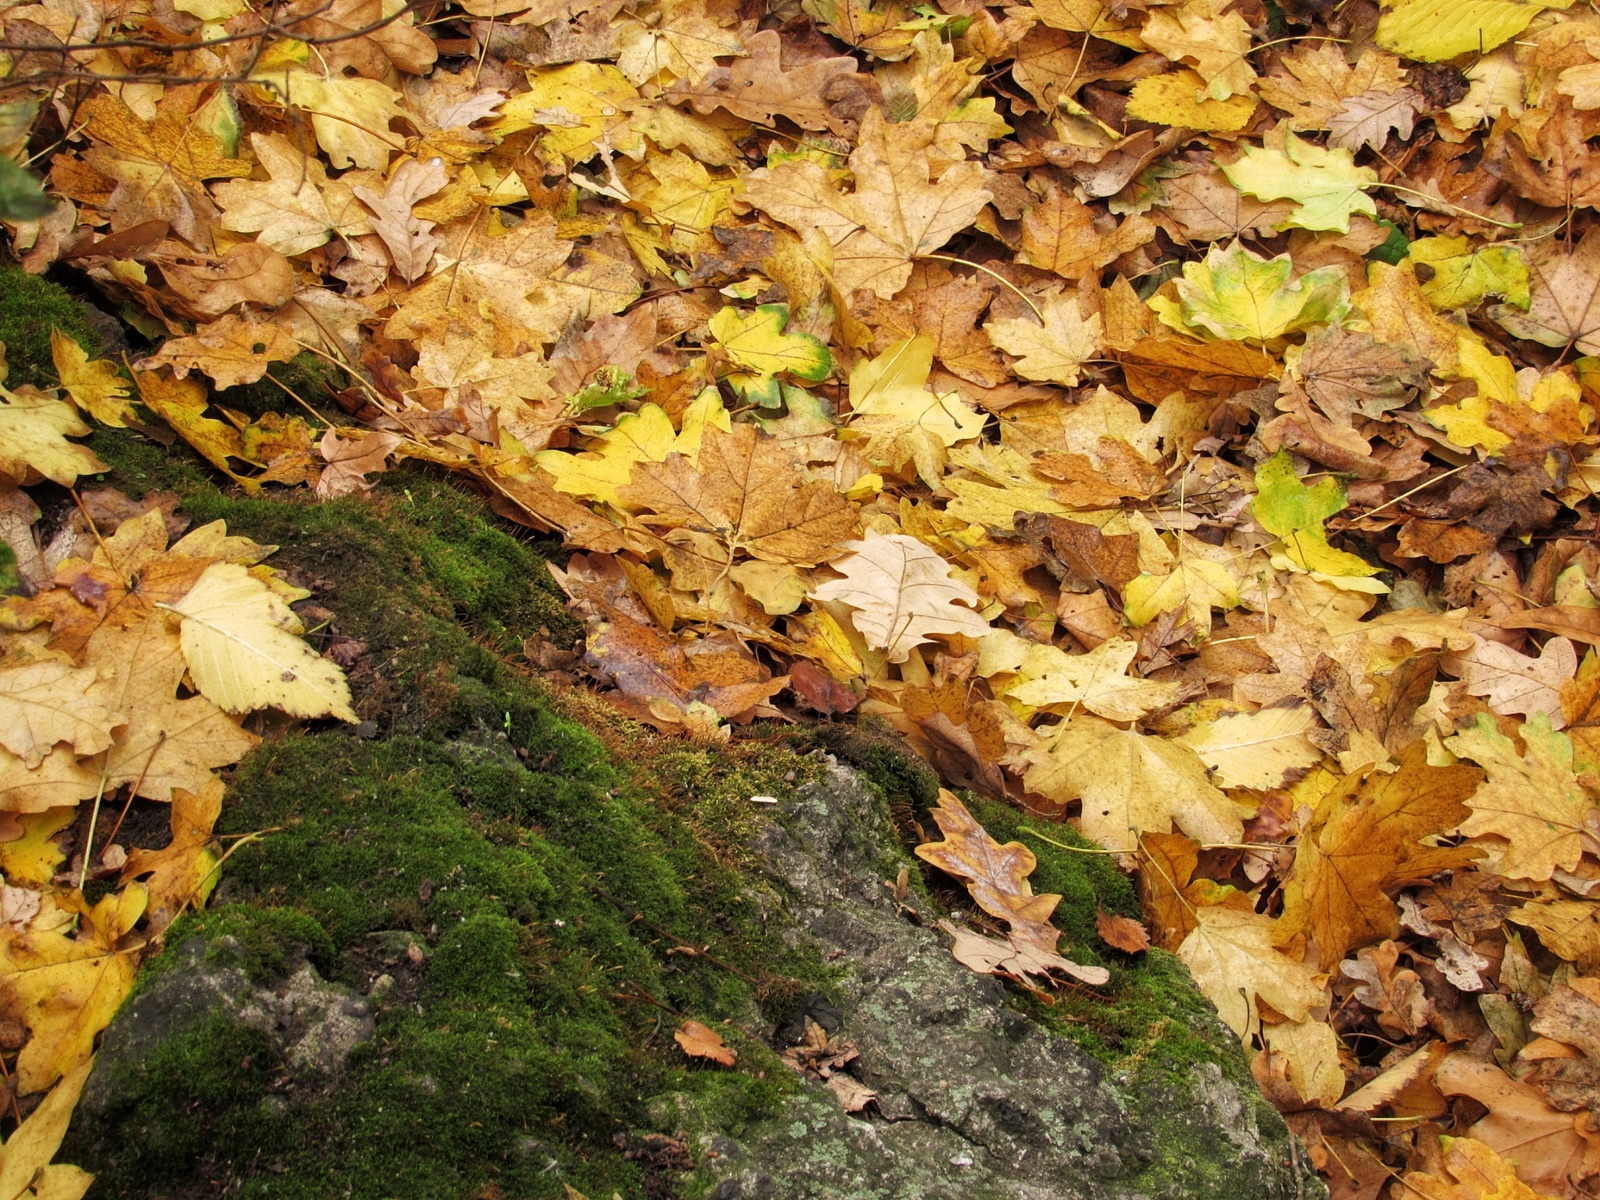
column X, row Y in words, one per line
column 33, row 858
column 1217, row 42
column 46, row 701
column 577, row 104
column 1195, row 585
column 169, row 742
column 1470, row 1170
column 1309, row 1052
column 1130, row 783
column 1045, row 677
column 1180, row 98
column 903, row 421
column 644, row 436
column 349, row 115
column 95, row 387
column 33, row 439
column 297, row 208
column 231, row 349
column 1258, row 749
column 1234, row 961
column 66, row 990
column 26, row 1172
column 182, row 403
column 182, row 873
column 59, row 779
column 1053, row 351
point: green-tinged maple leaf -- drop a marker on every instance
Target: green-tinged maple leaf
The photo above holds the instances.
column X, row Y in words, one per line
column 756, row 341
column 1326, row 183
column 21, row 197
column 1463, row 276
column 1296, row 513
column 1241, row 296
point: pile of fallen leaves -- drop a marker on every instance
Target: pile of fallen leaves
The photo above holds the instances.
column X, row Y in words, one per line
column 1170, row 417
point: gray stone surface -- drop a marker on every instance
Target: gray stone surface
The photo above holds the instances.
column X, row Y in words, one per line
column 314, row 1024
column 976, row 1102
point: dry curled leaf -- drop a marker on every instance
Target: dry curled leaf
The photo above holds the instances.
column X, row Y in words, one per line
column 700, row 1042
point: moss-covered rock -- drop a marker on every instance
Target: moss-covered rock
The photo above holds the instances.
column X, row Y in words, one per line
column 531, row 894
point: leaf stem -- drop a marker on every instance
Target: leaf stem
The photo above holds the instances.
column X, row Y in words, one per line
column 1021, row 295
column 1466, row 212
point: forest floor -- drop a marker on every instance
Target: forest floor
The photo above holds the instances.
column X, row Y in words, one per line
column 1174, row 421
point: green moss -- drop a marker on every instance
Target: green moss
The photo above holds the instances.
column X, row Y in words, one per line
column 187, row 1097
column 30, row 306
column 549, row 891
column 264, row 943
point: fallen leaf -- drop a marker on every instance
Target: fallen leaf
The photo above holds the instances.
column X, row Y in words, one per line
column 700, row 1042
column 66, row 990
column 25, row 1167
column 901, row 594
column 1122, row 933
column 33, row 440
column 1130, row 783
column 743, row 489
column 351, row 461
column 1471, row 1171
column 898, row 211
column 1255, row 750
column 232, row 350
column 1055, row 351
column 1234, row 960
column 1366, row 835
column 1532, row 805
column 243, row 649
